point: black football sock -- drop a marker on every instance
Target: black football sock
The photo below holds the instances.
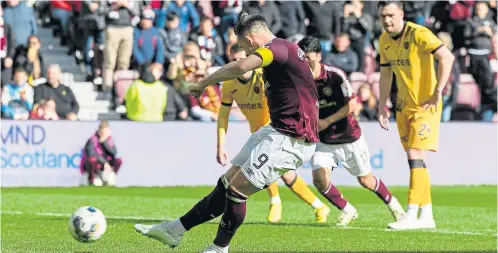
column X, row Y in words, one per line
column 207, row 208
column 235, row 212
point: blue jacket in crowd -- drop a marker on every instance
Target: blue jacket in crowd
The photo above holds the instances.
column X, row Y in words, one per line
column 22, row 20
column 148, row 46
column 186, row 13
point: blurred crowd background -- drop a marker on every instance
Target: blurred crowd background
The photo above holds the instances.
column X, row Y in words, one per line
column 133, row 60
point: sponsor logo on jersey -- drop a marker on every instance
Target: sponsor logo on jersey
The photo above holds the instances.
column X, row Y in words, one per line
column 325, row 104
column 407, row 45
column 400, row 62
column 257, row 89
column 251, row 106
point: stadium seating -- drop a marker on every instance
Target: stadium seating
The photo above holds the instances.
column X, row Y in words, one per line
column 122, row 81
column 468, row 92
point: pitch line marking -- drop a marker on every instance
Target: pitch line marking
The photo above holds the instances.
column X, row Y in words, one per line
column 437, row 231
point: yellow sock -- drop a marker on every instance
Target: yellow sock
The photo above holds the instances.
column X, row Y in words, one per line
column 273, row 190
column 426, row 197
column 302, row 190
column 419, row 182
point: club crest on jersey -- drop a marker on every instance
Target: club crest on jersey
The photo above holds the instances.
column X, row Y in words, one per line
column 327, row 91
column 407, row 45
column 257, row 89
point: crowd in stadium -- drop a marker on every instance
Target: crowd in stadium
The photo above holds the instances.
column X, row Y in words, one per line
column 153, row 50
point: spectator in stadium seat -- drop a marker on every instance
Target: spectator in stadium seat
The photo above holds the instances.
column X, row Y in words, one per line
column 7, row 50
column 67, row 106
column 99, row 163
column 210, row 43
column 148, row 46
column 231, row 40
column 17, row 97
column 483, row 29
column 94, row 17
column 30, row 59
column 324, row 21
column 186, row 11
column 62, row 11
column 368, row 101
column 146, row 98
column 186, row 68
column 342, row 56
column 207, row 107
column 21, row 19
column 292, row 16
column 118, row 41
column 172, row 36
column 176, row 109
column 268, row 10
column 44, row 110
column 228, row 11
column 358, row 25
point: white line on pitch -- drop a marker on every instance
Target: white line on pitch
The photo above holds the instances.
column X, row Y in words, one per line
column 437, row 231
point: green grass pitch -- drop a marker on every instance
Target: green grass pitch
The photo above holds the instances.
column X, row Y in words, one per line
column 35, row 220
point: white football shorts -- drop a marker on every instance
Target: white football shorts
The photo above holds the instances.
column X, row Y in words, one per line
column 354, row 156
column 268, row 154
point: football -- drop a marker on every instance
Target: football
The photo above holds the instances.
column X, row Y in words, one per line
column 87, row 224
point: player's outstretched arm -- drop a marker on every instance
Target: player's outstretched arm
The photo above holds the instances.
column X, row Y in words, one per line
column 232, row 70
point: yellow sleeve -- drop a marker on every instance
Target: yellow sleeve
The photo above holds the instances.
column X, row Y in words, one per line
column 383, row 59
column 226, row 94
column 427, row 41
column 266, row 55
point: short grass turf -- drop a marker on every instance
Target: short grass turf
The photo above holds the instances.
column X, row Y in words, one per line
column 35, row 220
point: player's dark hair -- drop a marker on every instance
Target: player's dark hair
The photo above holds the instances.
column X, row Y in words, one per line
column 235, row 48
column 383, row 4
column 310, row 44
column 246, row 22
column 171, row 16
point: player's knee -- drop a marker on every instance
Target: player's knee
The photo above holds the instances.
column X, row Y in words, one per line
column 415, row 154
column 234, row 195
column 367, row 181
column 289, row 178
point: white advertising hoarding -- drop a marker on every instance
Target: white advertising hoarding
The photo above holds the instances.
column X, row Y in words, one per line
column 43, row 153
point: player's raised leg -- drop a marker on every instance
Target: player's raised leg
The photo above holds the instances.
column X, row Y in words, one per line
column 301, row 189
column 275, row 212
column 208, row 208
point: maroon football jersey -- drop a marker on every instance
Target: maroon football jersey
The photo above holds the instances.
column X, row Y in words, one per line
column 291, row 91
column 335, row 91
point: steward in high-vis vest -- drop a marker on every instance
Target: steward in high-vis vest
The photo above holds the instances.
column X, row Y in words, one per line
column 147, row 96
